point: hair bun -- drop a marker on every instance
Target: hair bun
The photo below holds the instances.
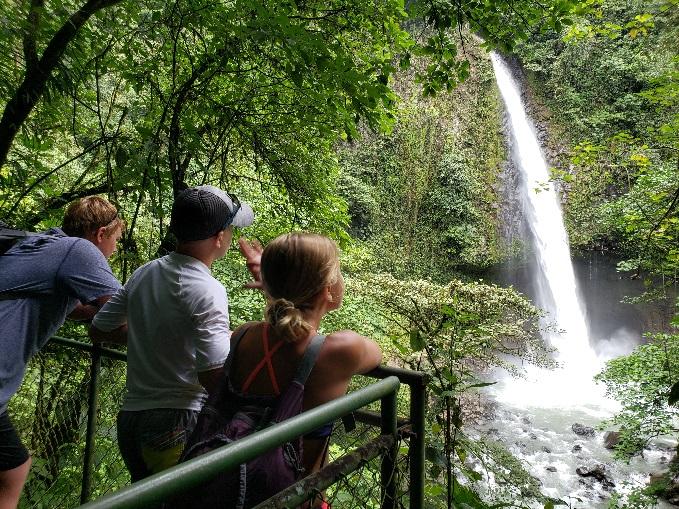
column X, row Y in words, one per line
column 287, row 320
column 279, row 308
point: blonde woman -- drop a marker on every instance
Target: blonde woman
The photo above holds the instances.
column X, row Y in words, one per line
column 301, row 278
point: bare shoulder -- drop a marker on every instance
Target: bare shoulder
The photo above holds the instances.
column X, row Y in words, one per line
column 246, row 325
column 344, row 336
column 356, row 353
column 243, row 328
column 343, row 340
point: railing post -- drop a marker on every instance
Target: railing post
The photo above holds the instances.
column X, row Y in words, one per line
column 388, row 470
column 418, row 398
column 92, row 403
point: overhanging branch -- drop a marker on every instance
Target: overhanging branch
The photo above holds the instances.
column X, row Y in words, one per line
column 35, row 80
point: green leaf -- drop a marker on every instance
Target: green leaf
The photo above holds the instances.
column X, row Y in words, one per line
column 416, row 341
column 465, row 495
column 434, row 490
column 462, row 454
column 480, row 384
column 435, row 455
column 675, row 321
column 474, row 475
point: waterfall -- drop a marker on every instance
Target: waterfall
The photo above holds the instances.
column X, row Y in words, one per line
column 571, row 384
column 537, row 413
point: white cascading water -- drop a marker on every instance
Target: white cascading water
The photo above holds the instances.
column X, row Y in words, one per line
column 571, row 384
column 537, row 413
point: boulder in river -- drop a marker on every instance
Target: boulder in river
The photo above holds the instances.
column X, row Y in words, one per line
column 611, row 439
column 582, row 430
column 598, row 472
column 657, row 477
column 576, row 448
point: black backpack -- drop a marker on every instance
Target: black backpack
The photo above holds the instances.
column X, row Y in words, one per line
column 9, row 236
column 231, row 415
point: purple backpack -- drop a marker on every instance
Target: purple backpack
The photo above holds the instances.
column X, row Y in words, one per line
column 231, row 415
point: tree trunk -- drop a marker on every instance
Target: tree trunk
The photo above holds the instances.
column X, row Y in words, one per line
column 31, row 89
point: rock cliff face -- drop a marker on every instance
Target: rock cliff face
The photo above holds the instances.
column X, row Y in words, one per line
column 512, row 226
column 511, row 218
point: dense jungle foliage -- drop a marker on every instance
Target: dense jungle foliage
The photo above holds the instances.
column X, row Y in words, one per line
column 378, row 124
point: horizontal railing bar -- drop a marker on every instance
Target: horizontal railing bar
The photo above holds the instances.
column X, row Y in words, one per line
column 180, row 478
column 106, row 352
column 299, row 492
column 406, row 376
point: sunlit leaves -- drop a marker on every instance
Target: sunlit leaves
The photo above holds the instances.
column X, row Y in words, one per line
column 453, row 332
column 643, row 382
column 193, row 89
column 640, row 25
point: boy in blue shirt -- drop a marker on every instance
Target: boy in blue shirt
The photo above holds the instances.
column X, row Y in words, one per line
column 43, row 280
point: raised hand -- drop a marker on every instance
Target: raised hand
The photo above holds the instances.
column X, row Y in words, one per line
column 252, row 252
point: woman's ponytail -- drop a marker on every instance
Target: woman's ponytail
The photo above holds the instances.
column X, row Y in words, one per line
column 287, row 320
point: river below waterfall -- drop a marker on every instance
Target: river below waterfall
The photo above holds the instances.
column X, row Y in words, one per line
column 543, row 439
column 542, row 435
column 534, row 416
column 537, row 428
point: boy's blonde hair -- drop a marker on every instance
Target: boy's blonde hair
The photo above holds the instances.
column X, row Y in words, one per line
column 296, row 267
column 86, row 215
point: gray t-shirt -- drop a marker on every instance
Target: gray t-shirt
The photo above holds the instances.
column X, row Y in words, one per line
column 41, row 281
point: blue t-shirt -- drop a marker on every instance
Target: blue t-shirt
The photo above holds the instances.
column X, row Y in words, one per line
column 42, row 279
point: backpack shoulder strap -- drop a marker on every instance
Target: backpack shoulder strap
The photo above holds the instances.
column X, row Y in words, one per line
column 309, row 359
column 9, row 236
column 289, row 403
column 9, row 233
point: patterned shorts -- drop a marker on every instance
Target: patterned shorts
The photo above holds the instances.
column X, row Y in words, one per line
column 153, row 440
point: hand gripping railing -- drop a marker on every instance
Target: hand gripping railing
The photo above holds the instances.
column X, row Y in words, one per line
column 185, row 476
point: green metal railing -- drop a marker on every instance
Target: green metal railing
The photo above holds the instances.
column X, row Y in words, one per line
column 185, row 476
column 386, row 445
column 92, row 403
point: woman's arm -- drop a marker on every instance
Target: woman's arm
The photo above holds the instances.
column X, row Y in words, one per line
column 344, row 354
